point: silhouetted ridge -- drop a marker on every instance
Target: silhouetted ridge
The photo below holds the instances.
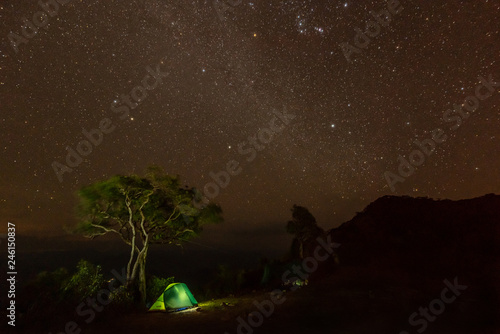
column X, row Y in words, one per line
column 411, row 232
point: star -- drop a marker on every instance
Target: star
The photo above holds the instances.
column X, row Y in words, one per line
column 263, row 60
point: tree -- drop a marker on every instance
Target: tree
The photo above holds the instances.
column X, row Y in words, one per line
column 143, row 211
column 303, row 226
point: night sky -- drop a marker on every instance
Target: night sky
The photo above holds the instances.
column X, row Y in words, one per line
column 223, row 74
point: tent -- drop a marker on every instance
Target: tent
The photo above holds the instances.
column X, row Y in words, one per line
column 174, row 298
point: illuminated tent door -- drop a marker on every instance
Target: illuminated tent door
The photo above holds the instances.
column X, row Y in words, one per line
column 176, row 296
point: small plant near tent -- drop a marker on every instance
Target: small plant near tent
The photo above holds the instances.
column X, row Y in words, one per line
column 156, row 286
column 122, row 299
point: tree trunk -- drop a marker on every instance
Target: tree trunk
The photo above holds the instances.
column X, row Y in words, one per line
column 130, row 272
column 129, row 264
column 142, row 275
column 139, row 272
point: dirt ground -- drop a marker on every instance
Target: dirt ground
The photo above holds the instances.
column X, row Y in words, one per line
column 350, row 303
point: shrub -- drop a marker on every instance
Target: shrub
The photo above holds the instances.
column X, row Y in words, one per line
column 227, row 281
column 45, row 288
column 155, row 286
column 87, row 281
column 122, row 299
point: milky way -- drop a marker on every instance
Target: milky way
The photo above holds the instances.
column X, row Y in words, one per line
column 224, row 69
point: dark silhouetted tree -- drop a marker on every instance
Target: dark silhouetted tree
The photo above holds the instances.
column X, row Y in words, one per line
column 303, row 226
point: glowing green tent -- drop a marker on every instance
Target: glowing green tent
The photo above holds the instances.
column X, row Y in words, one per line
column 176, row 296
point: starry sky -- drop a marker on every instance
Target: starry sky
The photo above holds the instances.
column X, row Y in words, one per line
column 227, row 69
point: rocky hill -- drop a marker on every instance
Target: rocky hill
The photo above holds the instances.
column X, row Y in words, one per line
column 417, row 243
column 423, row 234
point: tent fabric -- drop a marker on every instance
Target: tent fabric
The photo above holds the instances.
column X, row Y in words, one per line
column 175, row 296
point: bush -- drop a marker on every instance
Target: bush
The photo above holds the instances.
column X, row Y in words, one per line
column 53, row 296
column 226, row 281
column 155, row 286
column 45, row 289
column 87, row 281
column 122, row 299
column 50, row 283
